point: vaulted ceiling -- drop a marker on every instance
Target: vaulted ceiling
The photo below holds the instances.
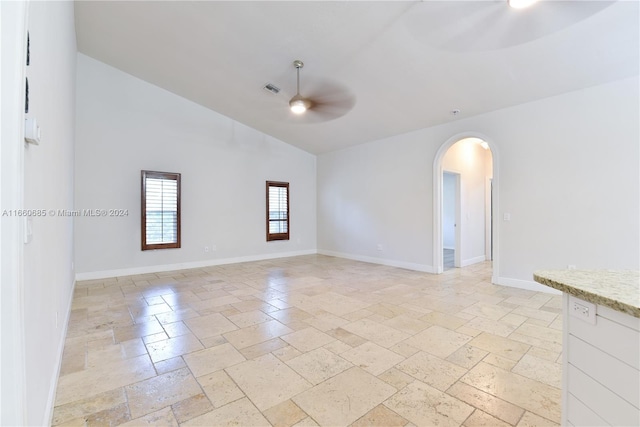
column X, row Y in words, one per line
column 397, row 65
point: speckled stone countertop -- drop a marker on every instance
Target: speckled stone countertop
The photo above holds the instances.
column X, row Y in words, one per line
column 616, row 289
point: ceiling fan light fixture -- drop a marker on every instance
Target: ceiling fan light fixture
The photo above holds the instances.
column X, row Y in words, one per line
column 521, row 4
column 299, row 104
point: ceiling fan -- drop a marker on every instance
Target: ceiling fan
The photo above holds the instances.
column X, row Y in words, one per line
column 323, row 102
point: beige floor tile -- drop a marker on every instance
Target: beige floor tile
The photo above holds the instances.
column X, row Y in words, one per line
column 173, row 347
column 252, row 335
column 380, row 416
column 306, row 422
column 487, row 311
column 540, row 370
column 337, row 347
column 376, row 332
column 347, row 337
column 88, row 406
column 249, row 318
column 308, row 339
column 109, row 417
column 533, row 420
column 407, row 324
column 220, row 388
column 238, row 413
column 396, row 378
column 445, row 320
column 212, row 359
column 432, row 370
column 318, row 365
column 210, row 325
column 467, row 356
column 191, row 407
column 500, row 346
column 162, row 418
column 490, row 326
column 536, row 397
column 438, row 341
column 267, row 381
column 164, row 390
column 103, row 378
column 482, row 419
column 486, row 402
column 344, row 398
column 446, row 327
column 372, row 358
column 425, row 406
column 285, row 414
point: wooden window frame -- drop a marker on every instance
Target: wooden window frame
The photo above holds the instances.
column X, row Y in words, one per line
column 158, row 175
column 278, row 236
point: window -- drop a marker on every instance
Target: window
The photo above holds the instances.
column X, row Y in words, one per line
column 277, row 210
column 160, row 210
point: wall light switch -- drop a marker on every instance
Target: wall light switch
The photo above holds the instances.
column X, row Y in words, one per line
column 507, row 217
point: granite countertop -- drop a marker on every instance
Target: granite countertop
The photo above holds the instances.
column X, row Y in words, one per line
column 616, row 289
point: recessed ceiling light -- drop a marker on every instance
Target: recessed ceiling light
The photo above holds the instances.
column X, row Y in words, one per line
column 521, row 4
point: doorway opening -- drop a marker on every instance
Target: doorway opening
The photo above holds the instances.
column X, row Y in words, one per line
column 465, row 197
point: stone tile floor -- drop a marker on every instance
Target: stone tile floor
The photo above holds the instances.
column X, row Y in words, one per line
column 310, row 340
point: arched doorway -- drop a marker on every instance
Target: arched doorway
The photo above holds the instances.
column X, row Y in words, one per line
column 474, row 193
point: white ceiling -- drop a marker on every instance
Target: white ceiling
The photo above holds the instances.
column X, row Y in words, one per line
column 405, row 64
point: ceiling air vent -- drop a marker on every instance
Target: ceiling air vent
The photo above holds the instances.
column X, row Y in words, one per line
column 272, row 88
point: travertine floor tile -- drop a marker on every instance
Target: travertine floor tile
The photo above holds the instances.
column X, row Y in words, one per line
column 425, row 406
column 380, row 416
column 482, row 419
column 246, row 337
column 438, row 341
column 376, row 332
column 318, row 365
column 432, row 370
column 307, row 339
column 536, row 397
column 533, row 420
column 344, row 398
column 216, row 346
column 486, row 402
column 103, row 378
column 372, row 358
column 172, row 347
column 285, row 414
column 158, row 392
column 267, row 381
column 220, row 388
column 163, row 417
column 212, row 359
column 238, row 413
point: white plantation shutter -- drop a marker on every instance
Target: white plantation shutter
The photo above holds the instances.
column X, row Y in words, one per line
column 160, row 210
column 277, row 210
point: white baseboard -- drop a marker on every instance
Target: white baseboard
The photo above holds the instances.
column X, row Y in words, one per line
column 186, row 265
column 470, row 261
column 524, row 284
column 391, row 263
column 48, row 413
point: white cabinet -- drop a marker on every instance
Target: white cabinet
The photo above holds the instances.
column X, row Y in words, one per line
column 601, row 368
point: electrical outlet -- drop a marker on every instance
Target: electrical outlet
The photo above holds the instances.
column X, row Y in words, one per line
column 206, row 248
column 582, row 310
column 214, row 248
column 379, row 246
column 571, row 267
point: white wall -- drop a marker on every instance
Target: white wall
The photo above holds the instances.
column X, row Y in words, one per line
column 448, row 211
column 44, row 182
column 469, row 159
column 125, row 125
column 561, row 161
